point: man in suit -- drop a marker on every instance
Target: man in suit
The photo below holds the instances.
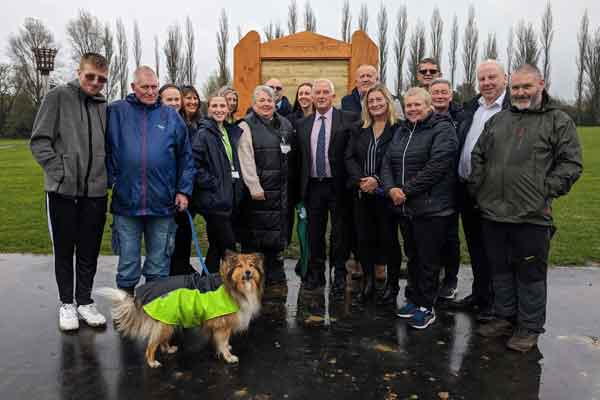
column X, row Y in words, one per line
column 322, row 139
column 492, row 99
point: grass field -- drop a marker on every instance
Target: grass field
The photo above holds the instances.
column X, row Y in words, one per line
column 23, row 223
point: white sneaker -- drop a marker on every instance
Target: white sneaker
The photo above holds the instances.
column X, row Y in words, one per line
column 90, row 315
column 67, row 318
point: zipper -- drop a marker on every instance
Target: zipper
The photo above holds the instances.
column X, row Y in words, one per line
column 90, row 150
column 404, row 159
column 144, row 150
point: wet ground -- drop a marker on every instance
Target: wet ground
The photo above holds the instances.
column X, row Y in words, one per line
column 302, row 347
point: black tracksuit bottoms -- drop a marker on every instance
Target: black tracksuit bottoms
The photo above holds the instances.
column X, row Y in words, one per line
column 424, row 238
column 76, row 225
column 518, row 256
column 221, row 237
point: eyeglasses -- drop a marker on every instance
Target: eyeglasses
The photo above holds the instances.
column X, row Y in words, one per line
column 276, row 88
column 94, row 77
column 428, row 71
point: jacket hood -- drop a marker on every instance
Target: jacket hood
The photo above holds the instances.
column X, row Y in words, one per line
column 74, row 84
column 132, row 99
column 548, row 104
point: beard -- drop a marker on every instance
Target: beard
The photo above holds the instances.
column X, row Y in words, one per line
column 528, row 102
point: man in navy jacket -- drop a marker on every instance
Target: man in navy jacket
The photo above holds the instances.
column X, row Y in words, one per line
column 151, row 172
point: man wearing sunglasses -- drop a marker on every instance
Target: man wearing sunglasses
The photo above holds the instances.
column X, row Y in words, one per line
column 281, row 102
column 68, row 142
column 428, row 70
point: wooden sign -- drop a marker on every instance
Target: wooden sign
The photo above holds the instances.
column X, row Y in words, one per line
column 298, row 58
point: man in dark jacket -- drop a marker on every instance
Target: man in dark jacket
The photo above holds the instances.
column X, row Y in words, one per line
column 282, row 104
column 526, row 157
column 68, row 142
column 151, row 171
column 366, row 77
column 441, row 100
column 322, row 139
column 491, row 100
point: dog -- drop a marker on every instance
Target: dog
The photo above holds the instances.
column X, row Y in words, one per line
column 242, row 278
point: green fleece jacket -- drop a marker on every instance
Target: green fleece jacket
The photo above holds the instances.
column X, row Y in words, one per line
column 190, row 307
column 522, row 161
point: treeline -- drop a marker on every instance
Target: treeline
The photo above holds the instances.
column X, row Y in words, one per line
column 402, row 43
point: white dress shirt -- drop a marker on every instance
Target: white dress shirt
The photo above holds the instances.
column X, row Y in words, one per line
column 482, row 115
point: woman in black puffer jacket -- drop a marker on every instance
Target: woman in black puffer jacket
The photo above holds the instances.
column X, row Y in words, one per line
column 419, row 174
column 218, row 185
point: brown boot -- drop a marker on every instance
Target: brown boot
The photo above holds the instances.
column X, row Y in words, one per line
column 496, row 328
column 522, row 340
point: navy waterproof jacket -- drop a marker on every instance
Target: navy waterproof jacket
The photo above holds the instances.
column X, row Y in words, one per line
column 149, row 158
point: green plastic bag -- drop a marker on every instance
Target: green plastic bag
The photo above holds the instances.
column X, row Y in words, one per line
column 302, row 232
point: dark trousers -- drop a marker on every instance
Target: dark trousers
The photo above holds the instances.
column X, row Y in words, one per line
column 180, row 260
column 377, row 232
column 518, row 255
column 221, row 237
column 451, row 252
column 472, row 226
column 76, row 227
column 423, row 238
column 322, row 205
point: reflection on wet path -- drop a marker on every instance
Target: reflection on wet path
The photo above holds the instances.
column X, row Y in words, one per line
column 304, row 345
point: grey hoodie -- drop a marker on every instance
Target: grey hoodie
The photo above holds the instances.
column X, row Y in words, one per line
column 68, row 141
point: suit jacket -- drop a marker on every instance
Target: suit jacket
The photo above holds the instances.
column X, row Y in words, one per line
column 341, row 127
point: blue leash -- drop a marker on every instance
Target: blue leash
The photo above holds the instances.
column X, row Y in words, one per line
column 197, row 245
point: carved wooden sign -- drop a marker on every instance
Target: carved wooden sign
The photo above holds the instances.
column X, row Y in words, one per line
column 298, row 58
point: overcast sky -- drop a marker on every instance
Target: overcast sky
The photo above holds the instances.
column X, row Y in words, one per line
column 155, row 17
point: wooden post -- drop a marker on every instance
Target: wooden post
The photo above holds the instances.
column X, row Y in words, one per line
column 246, row 69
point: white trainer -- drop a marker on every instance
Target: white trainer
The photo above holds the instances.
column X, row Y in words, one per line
column 67, row 318
column 90, row 315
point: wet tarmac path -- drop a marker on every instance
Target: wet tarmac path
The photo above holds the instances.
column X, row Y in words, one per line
column 303, row 346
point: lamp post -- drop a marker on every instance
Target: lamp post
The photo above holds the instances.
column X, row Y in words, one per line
column 44, row 61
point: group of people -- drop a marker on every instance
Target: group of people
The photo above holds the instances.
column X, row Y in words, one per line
column 376, row 166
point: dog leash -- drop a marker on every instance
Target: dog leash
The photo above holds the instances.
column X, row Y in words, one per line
column 197, row 245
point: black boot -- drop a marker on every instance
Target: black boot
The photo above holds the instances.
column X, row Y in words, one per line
column 369, row 285
column 390, row 292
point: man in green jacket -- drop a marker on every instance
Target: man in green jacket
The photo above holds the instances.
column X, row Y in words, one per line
column 526, row 157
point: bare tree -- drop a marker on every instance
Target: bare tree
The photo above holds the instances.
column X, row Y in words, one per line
column 84, row 32
column 174, row 57
column 382, row 33
column 400, row 47
column 453, row 49
column 346, row 21
column 156, row 57
column 469, row 54
column 510, row 50
column 490, row 47
column 546, row 37
column 363, row 18
column 310, row 20
column 122, row 58
column 223, row 74
column 137, row 44
column 239, row 32
column 437, row 36
column 189, row 59
column 112, row 78
column 417, row 49
column 527, row 51
column 583, row 39
column 592, row 69
column 10, row 88
column 32, row 34
column 278, row 33
column 292, row 22
column 212, row 84
column 268, row 31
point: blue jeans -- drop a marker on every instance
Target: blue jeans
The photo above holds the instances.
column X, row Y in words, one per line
column 159, row 238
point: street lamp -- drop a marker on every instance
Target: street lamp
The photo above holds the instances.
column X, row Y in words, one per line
column 44, row 61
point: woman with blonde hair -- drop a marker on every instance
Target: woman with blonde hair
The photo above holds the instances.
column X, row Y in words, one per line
column 376, row 228
column 419, row 174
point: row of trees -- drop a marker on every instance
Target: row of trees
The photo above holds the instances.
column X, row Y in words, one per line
column 401, row 46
